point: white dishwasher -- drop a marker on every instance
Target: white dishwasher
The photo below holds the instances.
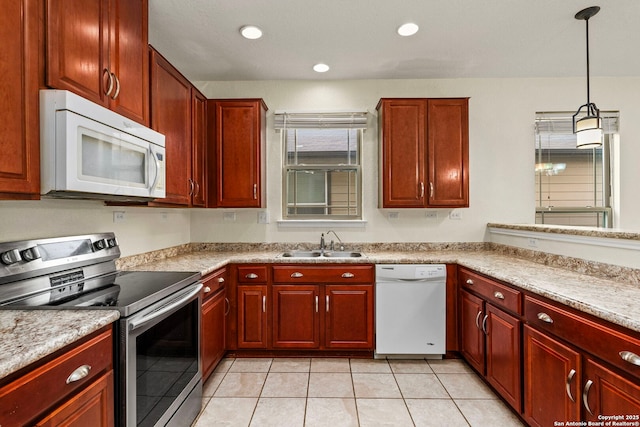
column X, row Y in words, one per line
column 410, row 310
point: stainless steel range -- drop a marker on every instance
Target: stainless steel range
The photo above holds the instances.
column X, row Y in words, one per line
column 157, row 357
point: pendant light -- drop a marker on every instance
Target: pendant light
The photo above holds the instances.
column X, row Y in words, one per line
column 588, row 129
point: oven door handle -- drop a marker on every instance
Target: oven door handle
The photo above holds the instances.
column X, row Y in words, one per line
column 174, row 303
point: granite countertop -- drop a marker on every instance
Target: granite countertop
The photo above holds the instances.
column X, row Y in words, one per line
column 27, row 336
column 612, row 300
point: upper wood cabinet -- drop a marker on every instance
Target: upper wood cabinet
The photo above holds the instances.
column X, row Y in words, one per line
column 19, row 67
column 198, row 149
column 236, row 160
column 424, row 153
column 171, row 104
column 98, row 49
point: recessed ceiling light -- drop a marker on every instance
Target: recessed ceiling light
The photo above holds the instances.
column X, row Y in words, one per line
column 321, row 68
column 251, row 32
column 408, row 29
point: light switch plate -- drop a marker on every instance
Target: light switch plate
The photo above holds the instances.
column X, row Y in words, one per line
column 118, row 216
column 263, row 217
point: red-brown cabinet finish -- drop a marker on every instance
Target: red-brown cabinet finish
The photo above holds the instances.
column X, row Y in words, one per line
column 552, row 375
column 349, row 316
column 471, row 333
column 605, row 392
column 237, row 161
column 20, row 70
column 424, row 152
column 199, row 154
column 98, row 49
column 171, row 116
column 252, row 316
column 296, row 320
column 212, row 330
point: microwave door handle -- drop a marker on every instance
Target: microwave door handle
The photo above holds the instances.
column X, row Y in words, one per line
column 156, row 163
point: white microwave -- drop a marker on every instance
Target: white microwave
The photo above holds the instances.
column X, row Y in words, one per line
column 90, row 152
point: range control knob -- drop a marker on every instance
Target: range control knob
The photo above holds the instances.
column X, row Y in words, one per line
column 10, row 257
column 112, row 242
column 101, row 244
column 31, row 254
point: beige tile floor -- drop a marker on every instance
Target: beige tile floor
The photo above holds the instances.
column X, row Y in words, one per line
column 318, row 392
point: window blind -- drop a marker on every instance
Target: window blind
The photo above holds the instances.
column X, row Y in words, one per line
column 337, row 120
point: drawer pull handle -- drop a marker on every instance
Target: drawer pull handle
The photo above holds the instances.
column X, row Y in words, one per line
column 478, row 319
column 220, row 279
column 207, row 289
column 585, row 396
column 469, row 282
column 296, row 274
column 572, row 374
column 79, row 374
column 251, row 276
column 630, row 357
column 545, row 317
column 348, row 275
column 498, row 295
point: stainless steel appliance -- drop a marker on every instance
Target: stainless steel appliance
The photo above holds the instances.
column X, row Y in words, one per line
column 410, row 310
column 90, row 152
column 157, row 351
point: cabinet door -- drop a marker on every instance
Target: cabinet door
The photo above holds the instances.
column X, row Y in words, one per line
column 129, row 59
column 608, row 393
column 93, row 406
column 296, row 319
column 349, row 316
column 239, row 135
column 552, row 373
column 252, row 316
column 77, row 34
column 199, row 168
column 503, row 356
column 19, row 139
column 212, row 333
column 171, row 116
column 448, row 152
column 472, row 336
column 402, row 127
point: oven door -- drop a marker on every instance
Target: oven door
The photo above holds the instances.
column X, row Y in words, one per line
column 160, row 378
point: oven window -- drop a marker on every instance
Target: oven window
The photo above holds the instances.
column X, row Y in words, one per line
column 166, row 359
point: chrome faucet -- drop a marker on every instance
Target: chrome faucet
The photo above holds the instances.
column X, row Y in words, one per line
column 339, row 240
column 322, row 245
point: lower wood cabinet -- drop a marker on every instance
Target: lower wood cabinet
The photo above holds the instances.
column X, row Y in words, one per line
column 252, row 316
column 214, row 309
column 47, row 395
column 607, row 392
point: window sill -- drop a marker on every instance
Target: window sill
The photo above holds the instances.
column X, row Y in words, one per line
column 321, row 223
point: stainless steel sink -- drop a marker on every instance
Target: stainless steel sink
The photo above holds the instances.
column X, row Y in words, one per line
column 325, row 254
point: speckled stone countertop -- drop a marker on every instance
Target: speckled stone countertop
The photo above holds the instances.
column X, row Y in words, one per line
column 27, row 336
column 617, row 301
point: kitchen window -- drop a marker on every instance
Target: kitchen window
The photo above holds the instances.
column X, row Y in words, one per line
column 321, row 165
column 573, row 186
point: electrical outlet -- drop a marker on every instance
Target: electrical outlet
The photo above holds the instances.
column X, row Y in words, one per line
column 431, row 214
column 456, row 214
column 164, row 216
column 263, row 217
column 393, row 215
column 532, row 242
column 229, row 216
column 118, row 216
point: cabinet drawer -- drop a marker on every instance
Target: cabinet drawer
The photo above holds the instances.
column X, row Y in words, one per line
column 496, row 293
column 42, row 388
column 589, row 335
column 252, row 274
column 213, row 282
column 333, row 274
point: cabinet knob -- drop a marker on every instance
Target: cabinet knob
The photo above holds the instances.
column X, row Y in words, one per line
column 79, row 373
column 469, row 282
column 498, row 295
column 630, row 357
column 251, row 276
column 348, row 275
column 296, row 274
column 545, row 317
column 207, row 289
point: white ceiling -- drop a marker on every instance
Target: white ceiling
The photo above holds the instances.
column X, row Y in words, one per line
column 358, row 39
